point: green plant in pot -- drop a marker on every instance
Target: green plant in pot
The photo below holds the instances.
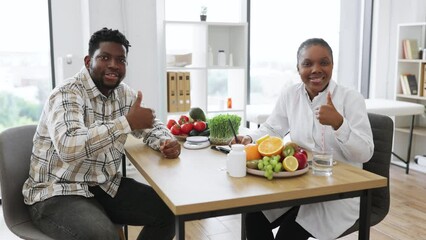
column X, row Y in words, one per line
column 220, row 129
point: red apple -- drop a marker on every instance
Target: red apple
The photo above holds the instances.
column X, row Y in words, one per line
column 301, row 158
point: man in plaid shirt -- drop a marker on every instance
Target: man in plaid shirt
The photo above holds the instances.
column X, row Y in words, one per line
column 74, row 189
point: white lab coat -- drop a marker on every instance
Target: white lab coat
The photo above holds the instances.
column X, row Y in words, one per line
column 352, row 143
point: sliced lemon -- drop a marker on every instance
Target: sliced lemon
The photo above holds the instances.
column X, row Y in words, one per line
column 290, row 164
column 261, row 139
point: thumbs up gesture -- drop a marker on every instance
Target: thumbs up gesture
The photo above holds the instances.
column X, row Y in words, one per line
column 140, row 117
column 328, row 115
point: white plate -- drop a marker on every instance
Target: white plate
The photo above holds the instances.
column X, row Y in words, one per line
column 194, row 145
column 278, row 174
column 197, row 139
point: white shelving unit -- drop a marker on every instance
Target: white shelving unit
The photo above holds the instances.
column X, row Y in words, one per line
column 416, row 67
column 211, row 85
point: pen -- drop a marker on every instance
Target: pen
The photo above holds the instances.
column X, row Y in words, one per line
column 233, row 131
column 220, row 149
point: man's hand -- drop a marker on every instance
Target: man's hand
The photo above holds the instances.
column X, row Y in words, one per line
column 170, row 148
column 328, row 115
column 140, row 117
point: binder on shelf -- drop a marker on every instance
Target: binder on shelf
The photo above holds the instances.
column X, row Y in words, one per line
column 172, row 105
column 180, row 92
column 412, row 83
column 187, row 80
column 424, row 80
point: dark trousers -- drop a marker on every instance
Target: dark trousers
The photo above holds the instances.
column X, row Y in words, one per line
column 77, row 217
column 258, row 227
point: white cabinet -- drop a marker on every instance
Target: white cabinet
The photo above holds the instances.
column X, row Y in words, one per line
column 211, row 84
column 416, row 67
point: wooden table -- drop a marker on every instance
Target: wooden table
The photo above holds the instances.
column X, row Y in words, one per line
column 197, row 186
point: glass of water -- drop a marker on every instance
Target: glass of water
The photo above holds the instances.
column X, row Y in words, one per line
column 322, row 162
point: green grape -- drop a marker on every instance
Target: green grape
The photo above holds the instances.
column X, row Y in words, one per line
column 276, row 157
column 278, row 167
column 260, row 165
column 274, row 162
column 266, row 158
column 269, row 167
column 269, row 174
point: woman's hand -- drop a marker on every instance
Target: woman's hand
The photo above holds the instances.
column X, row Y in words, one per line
column 242, row 140
column 170, row 148
column 328, row 115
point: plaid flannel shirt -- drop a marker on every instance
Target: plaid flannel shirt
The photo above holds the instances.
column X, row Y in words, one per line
column 80, row 139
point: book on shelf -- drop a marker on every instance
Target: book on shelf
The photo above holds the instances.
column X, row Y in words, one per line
column 410, row 49
column 404, row 85
column 412, row 83
column 172, row 105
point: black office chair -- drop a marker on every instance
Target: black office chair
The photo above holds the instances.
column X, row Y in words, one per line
column 382, row 127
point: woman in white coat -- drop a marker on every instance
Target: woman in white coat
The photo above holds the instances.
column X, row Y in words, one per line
column 316, row 111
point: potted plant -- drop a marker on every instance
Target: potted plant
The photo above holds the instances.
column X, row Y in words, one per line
column 220, row 129
column 203, row 13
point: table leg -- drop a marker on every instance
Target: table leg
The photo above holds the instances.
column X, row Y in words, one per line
column 243, row 226
column 364, row 215
column 409, row 144
column 180, row 228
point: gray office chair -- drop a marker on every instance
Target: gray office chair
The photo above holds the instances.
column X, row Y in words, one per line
column 382, row 127
column 15, row 152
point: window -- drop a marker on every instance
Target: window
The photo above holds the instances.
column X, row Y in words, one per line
column 24, row 61
column 276, row 30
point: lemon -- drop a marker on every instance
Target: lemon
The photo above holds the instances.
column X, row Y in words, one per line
column 260, row 140
column 290, row 164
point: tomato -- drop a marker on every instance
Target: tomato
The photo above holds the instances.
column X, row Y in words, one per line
column 170, row 123
column 183, row 119
column 186, row 128
column 176, row 130
column 200, row 126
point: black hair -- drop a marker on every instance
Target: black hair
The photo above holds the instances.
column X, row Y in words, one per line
column 107, row 35
column 314, row 41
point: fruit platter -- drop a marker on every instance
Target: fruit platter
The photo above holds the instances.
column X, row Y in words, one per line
column 270, row 157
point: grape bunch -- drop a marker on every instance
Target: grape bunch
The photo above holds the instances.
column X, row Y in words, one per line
column 270, row 165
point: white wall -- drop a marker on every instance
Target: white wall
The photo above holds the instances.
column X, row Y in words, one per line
column 141, row 21
column 387, row 16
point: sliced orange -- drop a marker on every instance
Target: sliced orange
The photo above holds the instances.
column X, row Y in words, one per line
column 261, row 139
column 271, row 146
column 290, row 164
column 252, row 152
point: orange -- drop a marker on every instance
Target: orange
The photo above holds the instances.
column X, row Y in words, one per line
column 251, row 152
column 271, row 146
column 290, row 164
